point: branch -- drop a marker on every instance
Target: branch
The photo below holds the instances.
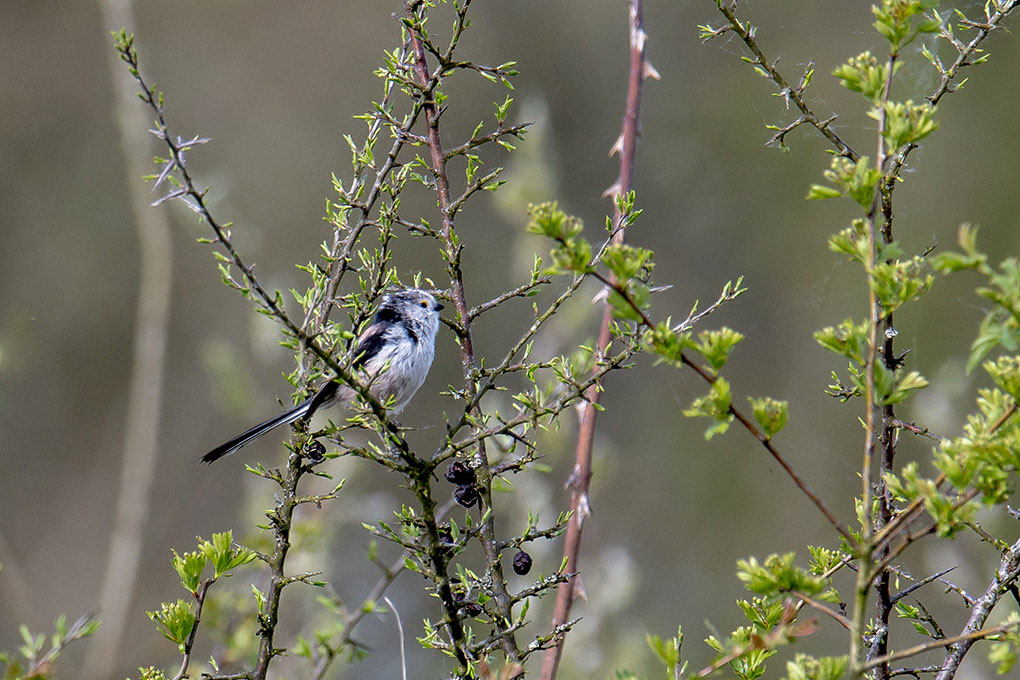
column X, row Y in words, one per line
column 795, row 94
column 836, row 616
column 452, row 253
column 200, row 599
column 581, row 474
column 767, row 443
column 195, row 200
column 1005, row 575
column 968, row 638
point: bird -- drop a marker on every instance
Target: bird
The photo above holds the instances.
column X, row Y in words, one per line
column 394, row 355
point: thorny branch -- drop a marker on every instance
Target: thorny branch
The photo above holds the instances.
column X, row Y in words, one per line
column 581, row 474
column 1005, row 575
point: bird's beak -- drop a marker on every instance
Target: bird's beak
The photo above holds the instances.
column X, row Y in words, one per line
column 439, row 307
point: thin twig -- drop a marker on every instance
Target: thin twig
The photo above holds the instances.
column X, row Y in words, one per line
column 581, row 474
column 400, row 631
column 794, row 94
column 190, row 642
column 969, row 638
column 1007, row 573
column 836, row 616
column 453, row 249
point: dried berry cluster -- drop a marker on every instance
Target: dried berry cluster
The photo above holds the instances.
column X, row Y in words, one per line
column 463, row 475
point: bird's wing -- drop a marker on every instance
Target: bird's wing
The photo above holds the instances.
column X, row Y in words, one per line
column 369, row 344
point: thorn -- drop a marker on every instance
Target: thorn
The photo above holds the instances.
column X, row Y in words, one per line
column 574, row 477
column 579, row 590
column 583, row 508
column 649, row 71
column 617, row 147
column 601, row 296
column 613, row 190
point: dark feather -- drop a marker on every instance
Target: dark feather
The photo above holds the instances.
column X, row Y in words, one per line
column 388, row 314
column 288, row 416
column 370, row 342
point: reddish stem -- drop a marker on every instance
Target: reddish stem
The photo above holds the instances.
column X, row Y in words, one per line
column 581, row 475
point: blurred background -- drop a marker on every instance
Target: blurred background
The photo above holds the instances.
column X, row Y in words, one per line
column 275, row 85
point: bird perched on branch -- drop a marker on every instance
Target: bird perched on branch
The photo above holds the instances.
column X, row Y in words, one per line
column 393, row 356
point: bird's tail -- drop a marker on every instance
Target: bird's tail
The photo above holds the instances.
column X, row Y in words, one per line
column 289, row 416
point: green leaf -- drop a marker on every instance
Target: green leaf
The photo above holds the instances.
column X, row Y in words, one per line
column 716, row 404
column 899, row 282
column 715, row 346
column 778, row 574
column 222, row 554
column 1005, row 651
column 668, row 653
column 627, row 262
column 189, row 567
column 805, row 667
column 848, row 339
column 548, row 220
column 857, row 179
column 1005, row 371
column 820, row 191
column 770, row 414
column 174, row 621
column 863, row 74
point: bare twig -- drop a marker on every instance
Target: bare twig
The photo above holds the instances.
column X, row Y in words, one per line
column 1007, row 573
column 968, row 638
column 814, row 604
column 916, row 429
column 920, row 584
column 581, row 474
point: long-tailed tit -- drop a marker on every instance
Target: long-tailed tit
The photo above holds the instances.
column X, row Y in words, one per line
column 393, row 356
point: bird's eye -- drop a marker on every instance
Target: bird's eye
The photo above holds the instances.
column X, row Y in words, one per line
column 424, row 304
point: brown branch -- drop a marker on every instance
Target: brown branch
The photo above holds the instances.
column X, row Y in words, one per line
column 969, row 638
column 916, row 429
column 200, row 599
column 834, row 615
column 581, row 474
column 501, row 598
column 767, row 443
column 889, row 435
column 1005, row 575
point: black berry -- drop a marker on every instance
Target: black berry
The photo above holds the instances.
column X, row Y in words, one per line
column 460, row 473
column 472, row 609
column 522, row 563
column 466, row 495
column 315, row 450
